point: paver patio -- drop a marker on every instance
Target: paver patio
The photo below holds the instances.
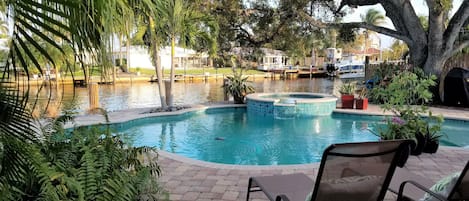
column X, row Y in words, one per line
column 188, row 179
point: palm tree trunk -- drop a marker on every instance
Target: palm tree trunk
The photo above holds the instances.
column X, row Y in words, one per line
column 159, row 75
column 127, row 50
column 169, row 99
column 121, row 54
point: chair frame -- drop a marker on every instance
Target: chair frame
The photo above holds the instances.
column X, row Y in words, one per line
column 399, row 152
column 400, row 195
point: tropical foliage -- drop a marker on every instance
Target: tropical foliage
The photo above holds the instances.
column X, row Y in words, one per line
column 406, row 96
column 44, row 162
column 88, row 163
column 238, row 86
column 174, row 22
column 348, row 88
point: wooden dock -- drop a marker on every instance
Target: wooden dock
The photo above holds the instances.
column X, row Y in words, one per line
column 283, row 73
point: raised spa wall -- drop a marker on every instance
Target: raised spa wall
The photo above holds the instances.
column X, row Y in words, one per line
column 290, row 107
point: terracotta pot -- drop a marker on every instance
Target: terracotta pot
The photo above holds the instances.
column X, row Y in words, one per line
column 347, row 101
column 361, row 104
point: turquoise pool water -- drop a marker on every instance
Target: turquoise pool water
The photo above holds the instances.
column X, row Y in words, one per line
column 231, row 136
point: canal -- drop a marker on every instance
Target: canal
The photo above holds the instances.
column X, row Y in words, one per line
column 53, row 100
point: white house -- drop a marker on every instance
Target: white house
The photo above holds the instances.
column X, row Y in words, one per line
column 139, row 57
column 269, row 59
column 272, row 59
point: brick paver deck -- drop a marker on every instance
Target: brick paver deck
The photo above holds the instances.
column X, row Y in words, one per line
column 188, row 179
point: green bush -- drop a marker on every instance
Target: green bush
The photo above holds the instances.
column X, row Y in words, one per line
column 406, row 96
column 88, row 163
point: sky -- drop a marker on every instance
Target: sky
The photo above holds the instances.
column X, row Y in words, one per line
column 419, row 6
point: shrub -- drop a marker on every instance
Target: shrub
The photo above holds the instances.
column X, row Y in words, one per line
column 88, row 163
column 406, row 96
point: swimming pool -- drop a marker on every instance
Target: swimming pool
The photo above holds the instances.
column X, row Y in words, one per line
column 231, row 136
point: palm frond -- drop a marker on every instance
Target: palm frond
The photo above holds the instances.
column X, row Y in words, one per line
column 15, row 120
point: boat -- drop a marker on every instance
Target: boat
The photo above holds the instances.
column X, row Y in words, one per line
column 351, row 70
column 346, row 70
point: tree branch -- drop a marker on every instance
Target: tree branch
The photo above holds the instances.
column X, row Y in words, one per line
column 355, row 3
column 456, row 23
column 382, row 30
column 258, row 42
column 311, row 20
column 459, row 47
column 379, row 29
column 405, row 20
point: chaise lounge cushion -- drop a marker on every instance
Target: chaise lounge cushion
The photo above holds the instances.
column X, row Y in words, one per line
column 359, row 187
column 442, row 187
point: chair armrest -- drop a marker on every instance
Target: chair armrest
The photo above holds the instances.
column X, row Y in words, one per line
column 282, row 197
column 423, row 188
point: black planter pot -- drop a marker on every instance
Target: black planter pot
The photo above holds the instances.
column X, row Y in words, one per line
column 431, row 147
column 238, row 99
column 418, row 148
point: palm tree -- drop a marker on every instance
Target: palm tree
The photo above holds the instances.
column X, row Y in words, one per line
column 37, row 26
column 373, row 17
column 183, row 24
column 149, row 31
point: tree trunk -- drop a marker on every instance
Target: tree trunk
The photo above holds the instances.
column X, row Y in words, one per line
column 434, row 66
column 169, row 99
column 159, row 76
column 127, row 49
column 418, row 55
column 121, row 54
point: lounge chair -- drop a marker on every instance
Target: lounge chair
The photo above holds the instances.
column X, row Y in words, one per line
column 410, row 186
column 336, row 179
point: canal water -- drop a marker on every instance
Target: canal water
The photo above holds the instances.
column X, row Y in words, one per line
column 145, row 94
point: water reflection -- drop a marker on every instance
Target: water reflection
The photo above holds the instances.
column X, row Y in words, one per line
column 138, row 95
column 232, row 136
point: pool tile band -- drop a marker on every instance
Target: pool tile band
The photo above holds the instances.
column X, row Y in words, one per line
column 290, row 105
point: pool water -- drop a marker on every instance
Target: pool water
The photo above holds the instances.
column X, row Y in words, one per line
column 231, row 136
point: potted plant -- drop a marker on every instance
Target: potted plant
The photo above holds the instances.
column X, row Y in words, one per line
column 406, row 96
column 432, row 136
column 347, row 95
column 238, row 87
column 361, row 102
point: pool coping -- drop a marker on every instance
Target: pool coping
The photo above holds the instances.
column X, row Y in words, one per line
column 122, row 116
column 138, row 113
column 207, row 164
column 320, row 99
